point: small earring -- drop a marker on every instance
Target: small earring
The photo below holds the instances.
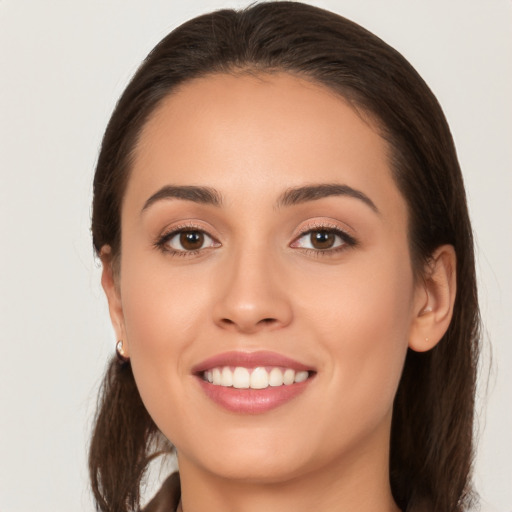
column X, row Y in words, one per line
column 121, row 357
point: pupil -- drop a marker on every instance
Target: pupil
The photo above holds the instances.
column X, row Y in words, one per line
column 191, row 240
column 322, row 239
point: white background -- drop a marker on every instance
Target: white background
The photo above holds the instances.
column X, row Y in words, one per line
column 63, row 64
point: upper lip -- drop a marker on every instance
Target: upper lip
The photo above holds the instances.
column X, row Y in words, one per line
column 250, row 360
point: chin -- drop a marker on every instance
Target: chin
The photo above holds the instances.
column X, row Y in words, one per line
column 256, row 469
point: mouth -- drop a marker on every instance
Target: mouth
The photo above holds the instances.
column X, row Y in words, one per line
column 240, row 377
column 252, row 382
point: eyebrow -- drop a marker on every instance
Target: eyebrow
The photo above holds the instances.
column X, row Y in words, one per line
column 299, row 195
column 202, row 195
column 290, row 197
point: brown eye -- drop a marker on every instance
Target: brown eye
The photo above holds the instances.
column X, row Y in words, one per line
column 191, row 240
column 322, row 239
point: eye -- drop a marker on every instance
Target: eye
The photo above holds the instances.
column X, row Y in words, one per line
column 187, row 241
column 323, row 239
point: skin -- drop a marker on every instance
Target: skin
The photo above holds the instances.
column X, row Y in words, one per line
column 349, row 312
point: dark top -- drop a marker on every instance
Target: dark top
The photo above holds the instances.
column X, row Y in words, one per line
column 167, row 498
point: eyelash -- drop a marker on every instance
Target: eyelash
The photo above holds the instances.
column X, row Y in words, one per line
column 348, row 240
column 163, row 240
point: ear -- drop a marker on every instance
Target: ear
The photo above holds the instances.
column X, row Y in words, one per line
column 110, row 284
column 434, row 301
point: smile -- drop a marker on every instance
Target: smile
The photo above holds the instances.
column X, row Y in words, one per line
column 254, row 378
column 252, row 382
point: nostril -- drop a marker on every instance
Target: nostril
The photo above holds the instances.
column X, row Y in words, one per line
column 248, row 325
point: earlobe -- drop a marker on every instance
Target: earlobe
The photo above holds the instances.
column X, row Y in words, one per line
column 435, row 300
column 110, row 284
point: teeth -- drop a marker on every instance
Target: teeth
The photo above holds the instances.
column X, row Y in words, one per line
column 227, row 377
column 288, row 377
column 276, row 377
column 301, row 376
column 258, row 378
column 241, row 378
column 217, row 377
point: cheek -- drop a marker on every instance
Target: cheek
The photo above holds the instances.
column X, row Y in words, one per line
column 362, row 319
column 163, row 314
column 160, row 307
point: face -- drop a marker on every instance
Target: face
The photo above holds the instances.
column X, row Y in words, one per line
column 265, row 294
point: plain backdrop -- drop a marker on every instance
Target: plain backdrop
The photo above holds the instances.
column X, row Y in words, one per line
column 63, row 64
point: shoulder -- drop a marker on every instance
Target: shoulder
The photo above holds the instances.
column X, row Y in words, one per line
column 167, row 498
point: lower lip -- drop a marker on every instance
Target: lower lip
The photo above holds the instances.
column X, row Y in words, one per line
column 252, row 401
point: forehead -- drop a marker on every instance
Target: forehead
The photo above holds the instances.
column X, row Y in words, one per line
column 246, row 133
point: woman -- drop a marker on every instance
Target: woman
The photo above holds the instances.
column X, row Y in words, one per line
column 288, row 262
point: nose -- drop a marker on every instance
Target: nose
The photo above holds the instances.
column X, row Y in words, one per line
column 252, row 295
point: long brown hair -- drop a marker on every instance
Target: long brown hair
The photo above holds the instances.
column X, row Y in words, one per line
column 432, row 428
